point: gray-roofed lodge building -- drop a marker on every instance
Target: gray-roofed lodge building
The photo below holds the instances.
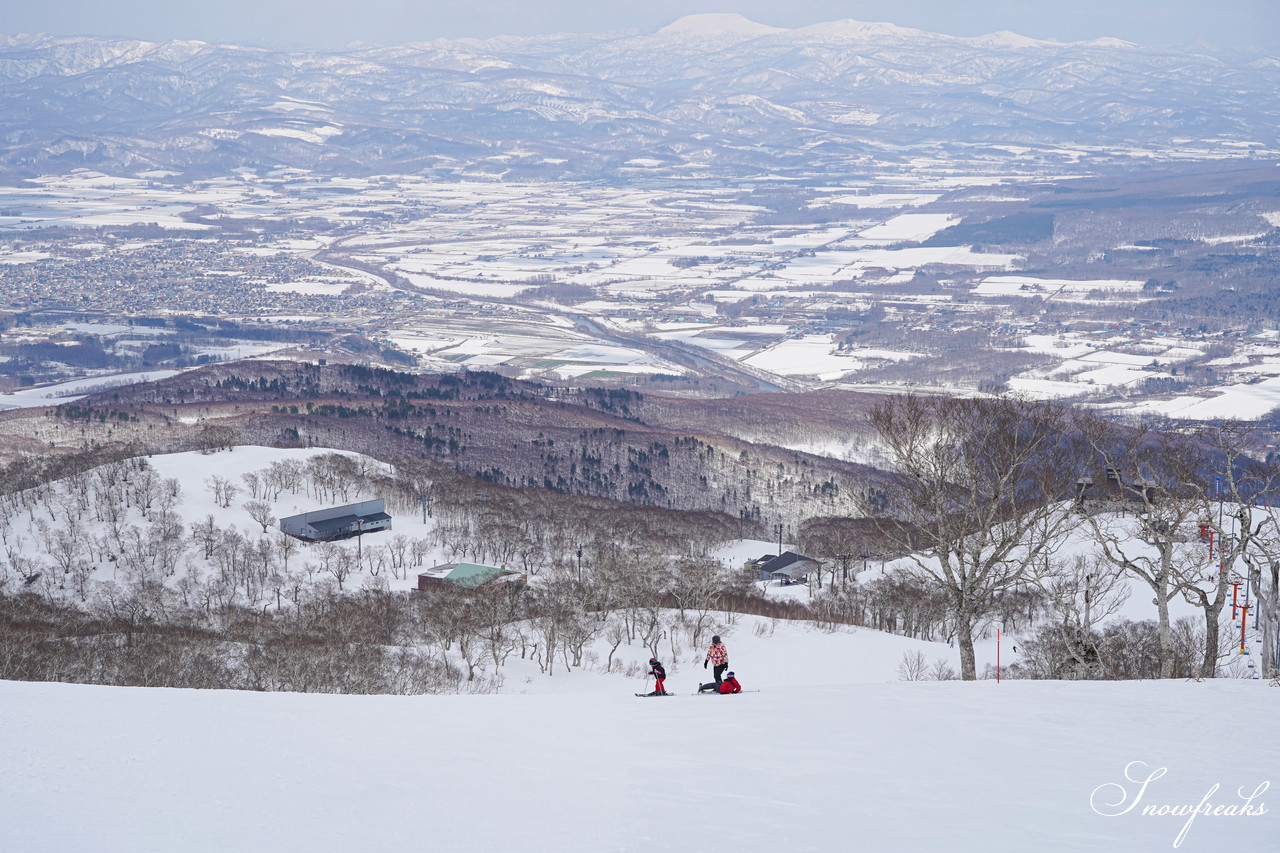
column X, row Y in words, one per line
column 787, row 567
column 339, row 522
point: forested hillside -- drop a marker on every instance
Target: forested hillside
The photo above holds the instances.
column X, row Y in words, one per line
column 611, row 443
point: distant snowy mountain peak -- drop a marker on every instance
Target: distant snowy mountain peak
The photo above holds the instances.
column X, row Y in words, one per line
column 1108, row 42
column 1008, row 39
column 718, row 25
column 848, row 28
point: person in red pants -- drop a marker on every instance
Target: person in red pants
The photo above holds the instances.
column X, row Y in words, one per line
column 659, row 676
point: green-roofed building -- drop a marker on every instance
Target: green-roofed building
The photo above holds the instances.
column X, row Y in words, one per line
column 468, row 576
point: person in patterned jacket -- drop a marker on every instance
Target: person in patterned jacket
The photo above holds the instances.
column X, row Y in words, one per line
column 718, row 657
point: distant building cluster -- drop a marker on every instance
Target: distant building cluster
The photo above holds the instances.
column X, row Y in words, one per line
column 183, row 276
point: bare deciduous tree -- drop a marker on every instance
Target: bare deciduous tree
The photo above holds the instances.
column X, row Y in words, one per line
column 1238, row 526
column 1148, row 520
column 260, row 512
column 978, row 496
column 913, row 666
column 1263, row 566
column 252, row 480
column 1081, row 593
column 224, row 491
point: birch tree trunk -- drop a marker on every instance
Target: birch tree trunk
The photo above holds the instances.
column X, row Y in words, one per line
column 1166, row 636
column 964, row 641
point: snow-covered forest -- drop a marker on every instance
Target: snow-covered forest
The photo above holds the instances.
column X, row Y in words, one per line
column 172, row 571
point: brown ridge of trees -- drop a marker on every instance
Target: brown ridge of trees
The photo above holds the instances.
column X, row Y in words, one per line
column 518, row 437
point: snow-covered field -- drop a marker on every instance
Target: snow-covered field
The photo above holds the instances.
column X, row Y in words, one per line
column 910, row 226
column 1246, row 402
column 809, row 354
column 1021, row 285
column 474, row 243
column 812, row 763
column 68, row 392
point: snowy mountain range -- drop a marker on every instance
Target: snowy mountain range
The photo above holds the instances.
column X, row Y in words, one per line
column 713, row 95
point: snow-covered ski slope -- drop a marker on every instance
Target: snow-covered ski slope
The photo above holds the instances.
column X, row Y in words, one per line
column 834, row 754
column 835, row 765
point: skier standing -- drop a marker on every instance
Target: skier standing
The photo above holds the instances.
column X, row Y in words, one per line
column 659, row 676
column 718, row 657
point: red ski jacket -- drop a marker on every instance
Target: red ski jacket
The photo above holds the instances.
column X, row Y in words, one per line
column 730, row 685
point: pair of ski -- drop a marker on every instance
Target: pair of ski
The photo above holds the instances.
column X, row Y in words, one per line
column 699, row 693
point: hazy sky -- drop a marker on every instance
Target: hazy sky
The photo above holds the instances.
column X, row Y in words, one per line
column 1251, row 25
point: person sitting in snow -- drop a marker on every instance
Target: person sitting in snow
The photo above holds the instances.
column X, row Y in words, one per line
column 659, row 675
column 729, row 685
